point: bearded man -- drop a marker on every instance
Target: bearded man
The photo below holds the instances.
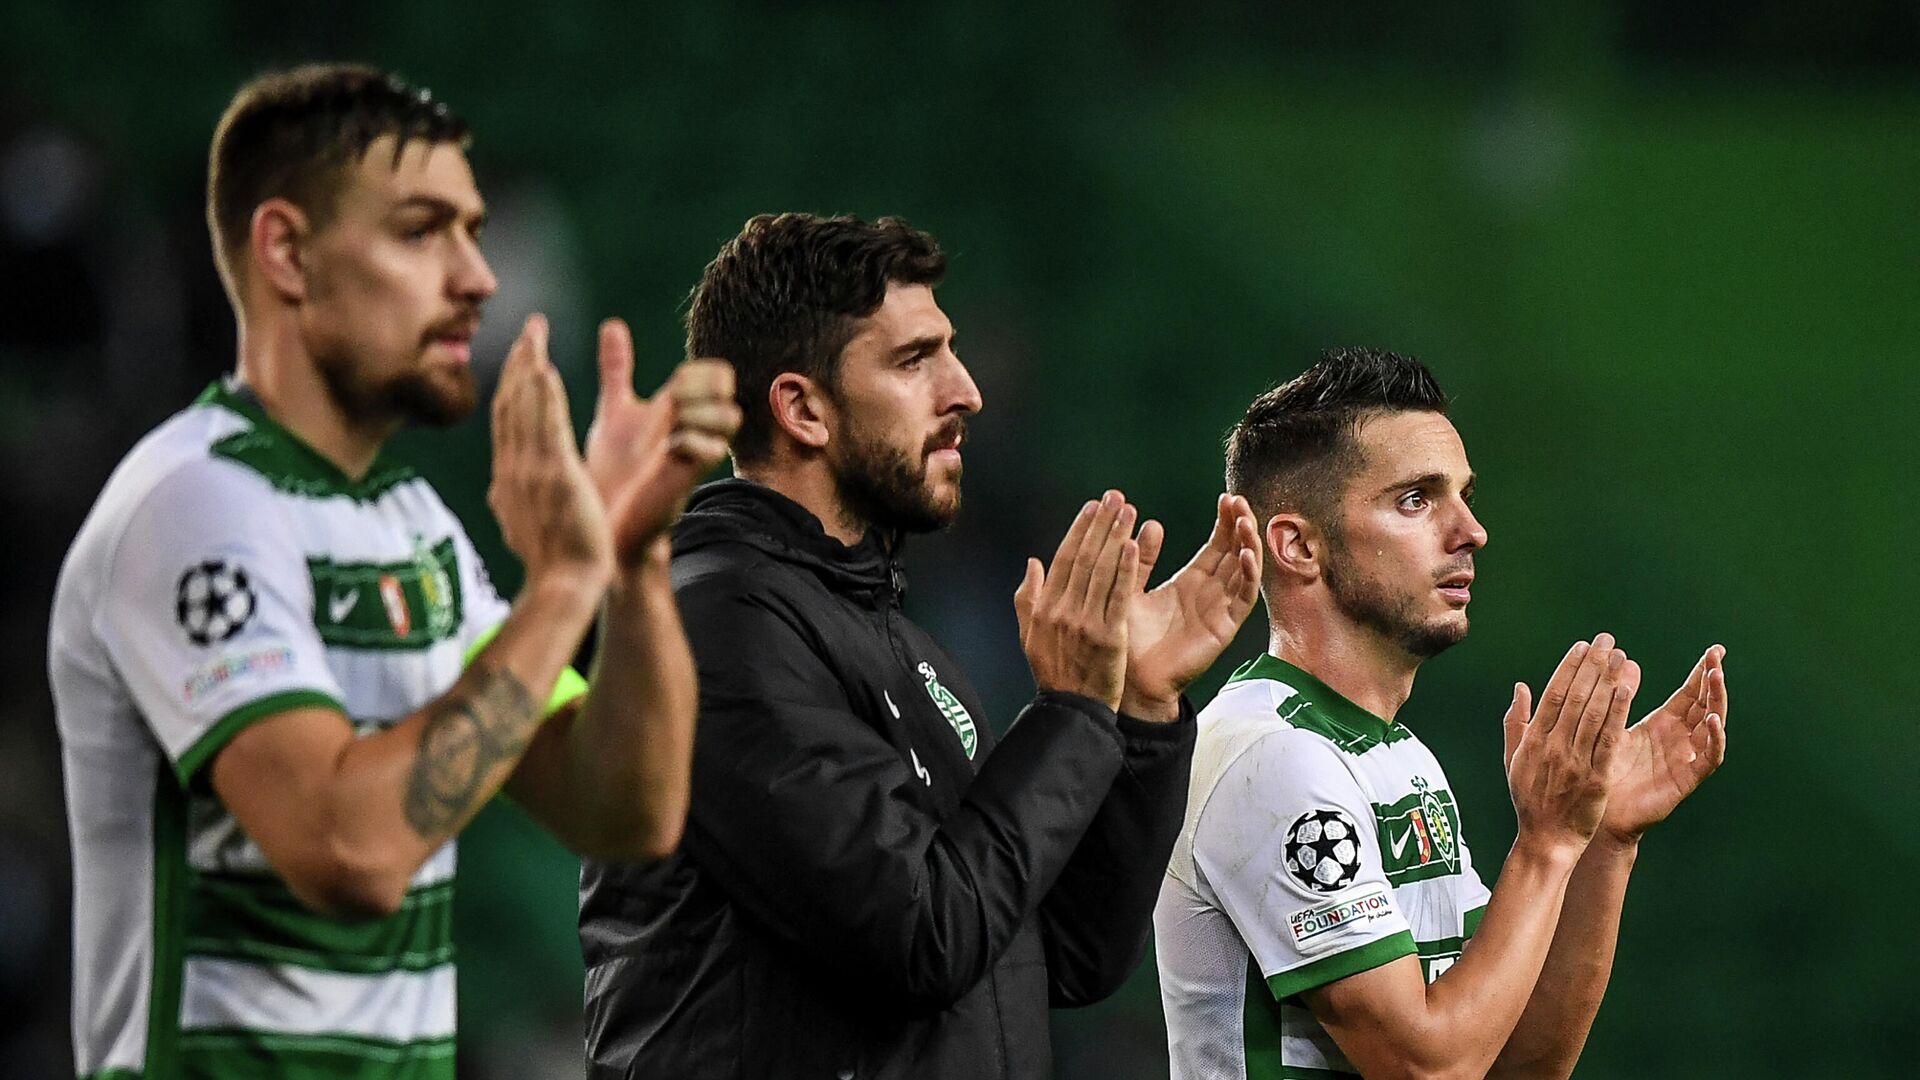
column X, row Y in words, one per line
column 873, row 884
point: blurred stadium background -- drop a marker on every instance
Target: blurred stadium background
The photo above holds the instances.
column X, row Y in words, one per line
column 1666, row 256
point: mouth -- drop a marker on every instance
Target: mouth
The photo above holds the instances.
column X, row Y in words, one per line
column 454, row 339
column 946, row 446
column 1457, row 587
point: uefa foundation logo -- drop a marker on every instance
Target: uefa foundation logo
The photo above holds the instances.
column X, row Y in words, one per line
column 213, row 601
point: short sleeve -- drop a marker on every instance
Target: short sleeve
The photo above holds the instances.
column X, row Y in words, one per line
column 207, row 613
column 1288, row 845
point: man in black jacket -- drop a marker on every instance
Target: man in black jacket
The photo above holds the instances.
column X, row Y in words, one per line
column 872, row 885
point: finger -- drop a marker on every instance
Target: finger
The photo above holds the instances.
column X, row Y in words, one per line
column 1126, row 582
column 1026, row 594
column 1599, row 703
column 1514, row 724
column 1553, row 697
column 1093, row 544
column 1711, row 747
column 716, row 417
column 509, row 411
column 1690, row 692
column 701, row 379
column 1069, row 549
column 1106, row 563
column 1245, row 588
column 616, row 362
column 1717, row 687
column 1613, row 728
column 697, row 448
column 1153, row 538
column 1220, row 539
column 1580, row 691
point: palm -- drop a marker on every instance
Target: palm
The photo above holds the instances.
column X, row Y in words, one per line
column 1176, row 631
column 1667, row 755
column 645, row 454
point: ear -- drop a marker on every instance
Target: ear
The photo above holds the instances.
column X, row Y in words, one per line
column 800, row 410
column 1293, row 547
column 276, row 247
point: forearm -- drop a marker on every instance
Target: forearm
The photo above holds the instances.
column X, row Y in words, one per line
column 398, row 795
column 1553, row 1029
column 612, row 780
column 1390, row 1023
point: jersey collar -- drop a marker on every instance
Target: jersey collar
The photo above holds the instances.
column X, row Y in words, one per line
column 1326, row 699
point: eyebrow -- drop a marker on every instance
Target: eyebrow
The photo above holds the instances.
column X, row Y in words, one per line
column 924, row 343
column 440, row 209
column 1427, row 480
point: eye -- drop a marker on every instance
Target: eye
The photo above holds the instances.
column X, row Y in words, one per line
column 1413, row 500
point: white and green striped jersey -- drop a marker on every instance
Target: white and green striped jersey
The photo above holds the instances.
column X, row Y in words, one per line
column 229, row 572
column 1320, row 841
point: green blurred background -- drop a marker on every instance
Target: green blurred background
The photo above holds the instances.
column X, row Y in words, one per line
column 1663, row 255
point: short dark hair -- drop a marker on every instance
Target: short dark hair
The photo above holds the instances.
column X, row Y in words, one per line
column 1297, row 446
column 788, row 294
column 292, row 134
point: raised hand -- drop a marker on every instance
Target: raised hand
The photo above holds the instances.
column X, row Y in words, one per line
column 645, row 454
column 1670, row 751
column 1175, row 632
column 1560, row 759
column 1073, row 613
column 548, row 510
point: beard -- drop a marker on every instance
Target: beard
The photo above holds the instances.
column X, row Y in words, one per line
column 417, row 396
column 886, row 487
column 1375, row 606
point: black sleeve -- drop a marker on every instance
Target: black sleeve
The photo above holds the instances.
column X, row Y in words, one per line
column 801, row 812
column 1096, row 917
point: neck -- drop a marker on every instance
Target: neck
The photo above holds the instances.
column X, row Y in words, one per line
column 276, row 366
column 809, row 483
column 1356, row 663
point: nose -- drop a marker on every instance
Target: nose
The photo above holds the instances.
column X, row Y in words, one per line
column 472, row 279
column 962, row 395
column 1472, row 535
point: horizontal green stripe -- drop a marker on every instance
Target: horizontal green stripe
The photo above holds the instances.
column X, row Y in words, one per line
column 225, row 728
column 1340, row 965
column 259, row 919
column 111, row 1074
column 1301, row 1072
column 233, row 1054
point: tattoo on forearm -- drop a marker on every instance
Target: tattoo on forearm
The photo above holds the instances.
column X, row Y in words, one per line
column 480, row 726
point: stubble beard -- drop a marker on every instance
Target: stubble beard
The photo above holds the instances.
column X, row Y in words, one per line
column 1394, row 617
column 886, row 488
column 416, row 396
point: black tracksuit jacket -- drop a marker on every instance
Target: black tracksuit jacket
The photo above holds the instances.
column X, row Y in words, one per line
column 856, row 896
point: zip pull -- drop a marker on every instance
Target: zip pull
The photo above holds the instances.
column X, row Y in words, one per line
column 897, row 580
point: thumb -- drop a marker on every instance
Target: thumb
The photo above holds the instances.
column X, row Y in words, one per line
column 1518, row 715
column 616, row 361
column 1026, row 594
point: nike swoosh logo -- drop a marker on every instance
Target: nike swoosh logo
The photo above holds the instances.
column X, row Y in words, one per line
column 891, row 707
column 341, row 604
column 1399, row 843
column 920, row 770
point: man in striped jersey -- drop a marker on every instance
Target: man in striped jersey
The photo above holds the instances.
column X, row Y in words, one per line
column 283, row 680
column 1321, row 915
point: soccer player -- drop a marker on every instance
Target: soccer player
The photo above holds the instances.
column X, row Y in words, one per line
column 1322, row 915
column 872, row 883
column 283, row 680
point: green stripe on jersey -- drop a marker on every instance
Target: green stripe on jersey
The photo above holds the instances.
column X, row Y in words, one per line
column 1321, row 709
column 1419, row 835
column 233, row 1054
column 259, row 919
column 1261, row 1029
column 1373, row 954
column 289, row 464
column 201, row 752
column 111, row 1074
column 398, row 605
column 170, row 876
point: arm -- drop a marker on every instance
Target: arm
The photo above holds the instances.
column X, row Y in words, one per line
column 346, row 821
column 1096, row 919
column 1388, row 1021
column 1664, row 758
column 610, row 779
column 815, row 827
